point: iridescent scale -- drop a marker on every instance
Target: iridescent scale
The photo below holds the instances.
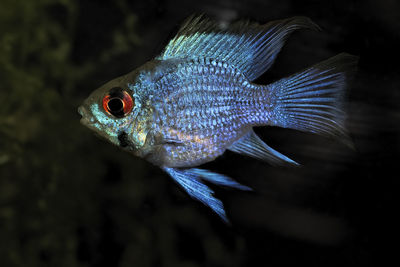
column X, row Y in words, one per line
column 205, row 106
column 197, row 99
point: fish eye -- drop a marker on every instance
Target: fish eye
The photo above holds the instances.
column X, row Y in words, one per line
column 118, row 102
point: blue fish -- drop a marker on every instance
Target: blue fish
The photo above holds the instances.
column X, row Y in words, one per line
column 197, row 99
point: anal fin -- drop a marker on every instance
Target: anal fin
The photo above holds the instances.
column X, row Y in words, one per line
column 191, row 181
column 251, row 145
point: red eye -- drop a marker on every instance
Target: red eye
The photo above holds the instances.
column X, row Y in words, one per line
column 118, row 103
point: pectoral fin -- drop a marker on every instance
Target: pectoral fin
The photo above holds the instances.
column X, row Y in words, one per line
column 251, row 145
column 190, row 180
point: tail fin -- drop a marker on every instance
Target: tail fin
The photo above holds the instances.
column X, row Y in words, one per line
column 312, row 100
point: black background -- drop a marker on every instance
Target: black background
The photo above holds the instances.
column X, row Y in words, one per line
column 71, row 199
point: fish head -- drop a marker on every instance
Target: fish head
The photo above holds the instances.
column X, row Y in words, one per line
column 111, row 111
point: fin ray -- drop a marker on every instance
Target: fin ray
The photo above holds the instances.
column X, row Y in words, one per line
column 251, row 145
column 250, row 47
column 312, row 100
column 191, row 181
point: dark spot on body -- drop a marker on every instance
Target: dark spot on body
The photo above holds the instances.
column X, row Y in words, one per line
column 124, row 140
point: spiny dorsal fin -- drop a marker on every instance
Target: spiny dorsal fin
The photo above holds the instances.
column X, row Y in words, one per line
column 250, row 47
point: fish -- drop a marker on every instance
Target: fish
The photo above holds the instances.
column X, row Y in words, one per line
column 199, row 98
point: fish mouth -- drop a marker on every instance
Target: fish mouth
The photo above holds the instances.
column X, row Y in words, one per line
column 87, row 118
column 82, row 111
column 91, row 122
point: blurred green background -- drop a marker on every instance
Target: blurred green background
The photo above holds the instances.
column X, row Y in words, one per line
column 68, row 198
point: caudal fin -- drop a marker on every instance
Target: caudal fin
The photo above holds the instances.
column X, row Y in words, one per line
column 312, row 100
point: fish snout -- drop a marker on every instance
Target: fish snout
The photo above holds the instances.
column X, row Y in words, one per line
column 87, row 118
column 81, row 111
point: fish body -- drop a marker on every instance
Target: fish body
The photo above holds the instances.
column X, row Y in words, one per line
column 198, row 99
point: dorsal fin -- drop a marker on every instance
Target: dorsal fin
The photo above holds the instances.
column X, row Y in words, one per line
column 250, row 47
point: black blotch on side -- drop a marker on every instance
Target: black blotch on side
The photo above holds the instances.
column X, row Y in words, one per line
column 123, row 139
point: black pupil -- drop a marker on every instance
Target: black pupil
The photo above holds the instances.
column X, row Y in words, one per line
column 115, row 105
